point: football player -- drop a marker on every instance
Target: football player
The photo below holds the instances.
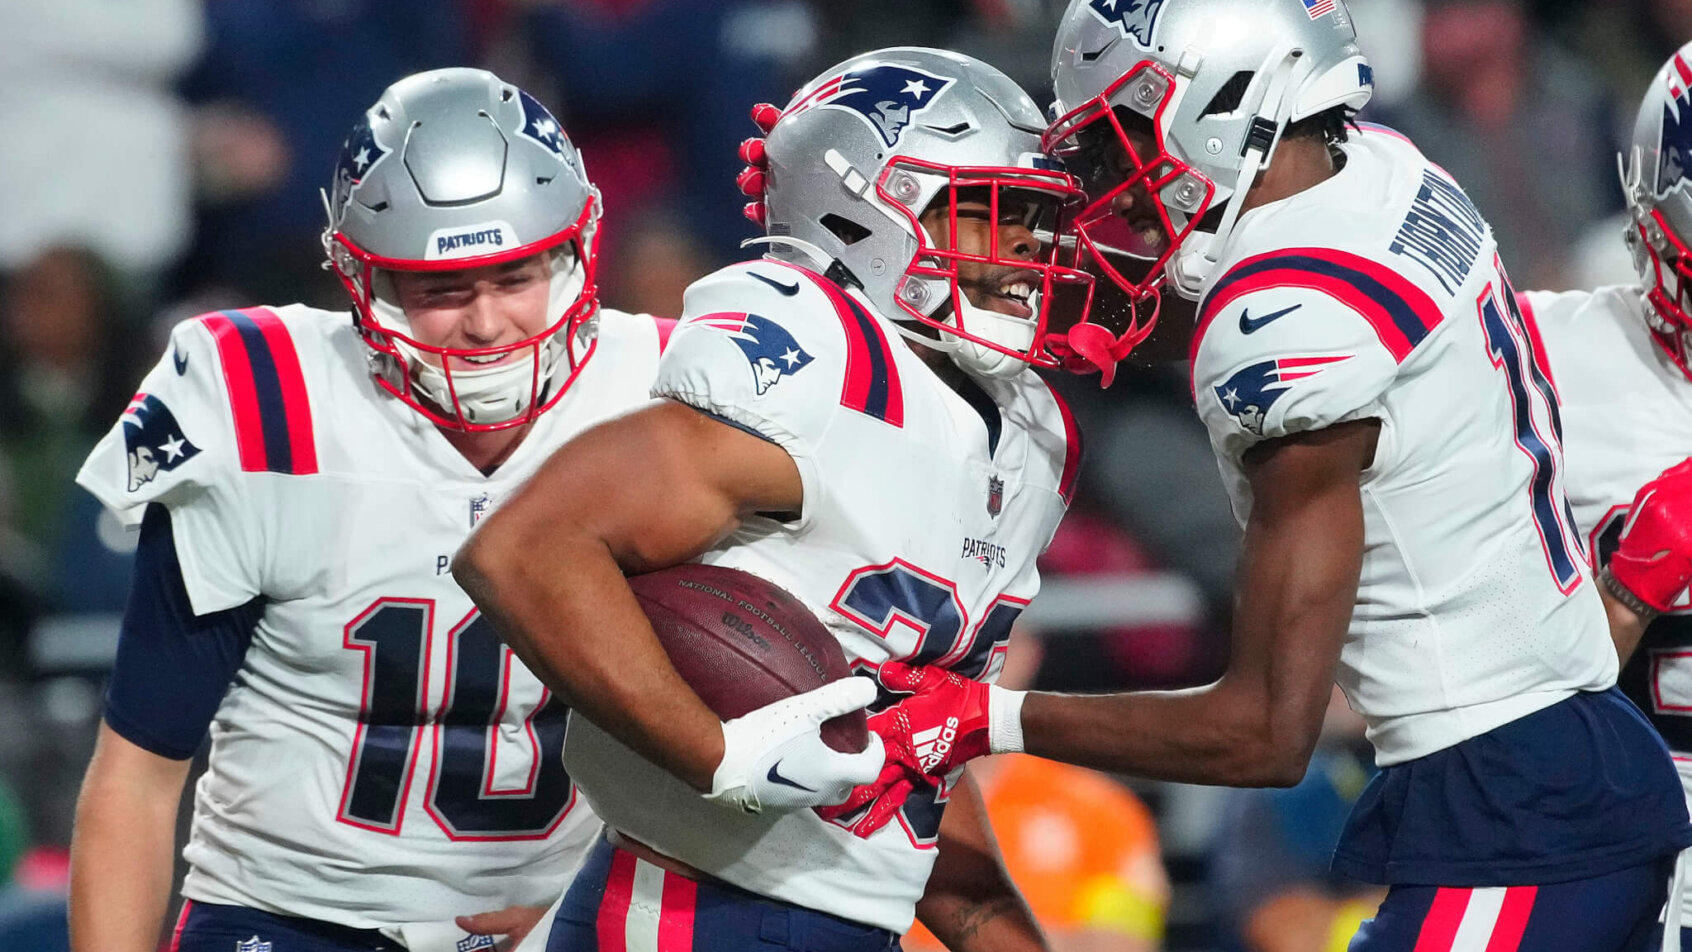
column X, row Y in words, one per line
column 1390, row 445
column 1619, row 357
column 853, row 417
column 379, row 763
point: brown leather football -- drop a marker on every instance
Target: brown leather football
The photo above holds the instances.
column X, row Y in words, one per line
column 742, row 642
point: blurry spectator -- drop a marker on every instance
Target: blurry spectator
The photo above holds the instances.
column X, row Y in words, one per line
column 72, row 366
column 96, row 144
column 1269, row 863
column 649, row 261
column 1521, row 124
column 279, row 78
column 1080, row 846
column 1624, row 41
column 656, row 94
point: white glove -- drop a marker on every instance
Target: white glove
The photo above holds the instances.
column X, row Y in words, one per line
column 774, row 758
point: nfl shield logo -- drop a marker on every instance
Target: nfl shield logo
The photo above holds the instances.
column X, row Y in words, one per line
column 255, row 944
column 995, row 496
column 479, row 507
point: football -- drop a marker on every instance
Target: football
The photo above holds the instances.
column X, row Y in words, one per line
column 742, row 642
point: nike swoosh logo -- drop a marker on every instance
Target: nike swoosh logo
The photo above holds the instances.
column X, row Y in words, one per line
column 1247, row 325
column 774, row 777
column 787, row 290
column 181, row 362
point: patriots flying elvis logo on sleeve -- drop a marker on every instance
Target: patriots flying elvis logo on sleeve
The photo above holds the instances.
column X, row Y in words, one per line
column 769, row 348
column 887, row 98
column 1134, row 18
column 1250, row 392
column 153, row 439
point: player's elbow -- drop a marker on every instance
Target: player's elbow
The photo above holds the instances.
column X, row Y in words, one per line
column 480, row 563
column 1270, row 749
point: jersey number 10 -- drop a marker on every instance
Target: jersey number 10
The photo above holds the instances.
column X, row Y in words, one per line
column 397, row 715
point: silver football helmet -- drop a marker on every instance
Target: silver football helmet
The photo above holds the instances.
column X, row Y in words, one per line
column 865, row 150
column 1657, row 178
column 455, row 169
column 1211, row 85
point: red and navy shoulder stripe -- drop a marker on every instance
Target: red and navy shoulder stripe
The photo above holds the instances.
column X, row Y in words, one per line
column 267, row 391
column 1401, row 313
column 872, row 384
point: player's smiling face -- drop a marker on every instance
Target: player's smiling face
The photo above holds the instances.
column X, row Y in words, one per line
column 1004, row 288
column 492, row 306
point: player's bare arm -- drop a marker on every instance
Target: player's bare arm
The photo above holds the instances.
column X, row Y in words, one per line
column 1298, row 573
column 647, row 490
column 971, row 905
column 1257, row 725
column 123, row 846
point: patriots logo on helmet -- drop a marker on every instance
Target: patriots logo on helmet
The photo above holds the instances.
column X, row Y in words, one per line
column 539, row 125
column 1249, row 393
column 154, row 440
column 769, row 348
column 1135, row 18
column 1674, row 164
column 885, row 97
column 359, row 154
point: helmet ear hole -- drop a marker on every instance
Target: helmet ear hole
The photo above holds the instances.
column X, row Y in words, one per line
column 1229, row 97
column 848, row 231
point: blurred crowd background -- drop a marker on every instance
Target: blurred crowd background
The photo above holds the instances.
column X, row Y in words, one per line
column 162, row 158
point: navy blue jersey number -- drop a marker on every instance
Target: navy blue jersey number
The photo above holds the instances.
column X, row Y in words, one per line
column 879, row 597
column 396, row 718
column 1510, row 346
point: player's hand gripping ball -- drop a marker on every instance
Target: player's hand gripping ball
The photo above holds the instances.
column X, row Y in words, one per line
column 1654, row 558
column 942, row 725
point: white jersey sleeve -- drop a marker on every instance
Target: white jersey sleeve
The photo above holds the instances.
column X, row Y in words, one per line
column 762, row 346
column 176, row 445
column 1282, row 360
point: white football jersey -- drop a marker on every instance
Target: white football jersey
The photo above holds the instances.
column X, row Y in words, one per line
column 923, row 514
column 1378, row 294
column 380, row 758
column 1627, row 416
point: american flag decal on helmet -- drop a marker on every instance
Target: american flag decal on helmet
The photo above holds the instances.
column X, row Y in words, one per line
column 1318, row 8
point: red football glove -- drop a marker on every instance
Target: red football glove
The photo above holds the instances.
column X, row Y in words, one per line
column 939, row 728
column 1654, row 559
column 884, row 796
column 755, row 176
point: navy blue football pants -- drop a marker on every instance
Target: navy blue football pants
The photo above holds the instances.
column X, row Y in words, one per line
column 204, row 927
column 621, row 903
column 1611, row 913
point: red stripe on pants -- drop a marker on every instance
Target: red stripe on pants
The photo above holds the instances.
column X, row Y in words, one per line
column 675, row 919
column 1439, row 929
column 1512, row 919
column 613, row 919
